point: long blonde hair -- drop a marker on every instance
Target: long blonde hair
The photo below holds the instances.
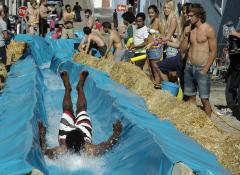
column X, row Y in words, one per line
column 166, row 21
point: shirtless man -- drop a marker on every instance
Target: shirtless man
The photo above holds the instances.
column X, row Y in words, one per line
column 199, row 42
column 68, row 15
column 93, row 41
column 68, row 18
column 114, row 40
column 43, row 11
column 75, row 133
column 32, row 18
column 89, row 20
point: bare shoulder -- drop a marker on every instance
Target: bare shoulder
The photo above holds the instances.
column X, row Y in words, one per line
column 174, row 18
column 208, row 27
column 157, row 20
column 91, row 35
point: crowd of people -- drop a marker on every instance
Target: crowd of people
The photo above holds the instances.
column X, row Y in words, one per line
column 176, row 47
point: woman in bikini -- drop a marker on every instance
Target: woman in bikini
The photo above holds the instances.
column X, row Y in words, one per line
column 154, row 47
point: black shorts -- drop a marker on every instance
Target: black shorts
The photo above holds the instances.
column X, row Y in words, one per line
column 102, row 49
column 3, row 55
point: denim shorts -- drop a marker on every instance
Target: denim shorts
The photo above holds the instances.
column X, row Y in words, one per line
column 195, row 81
column 154, row 54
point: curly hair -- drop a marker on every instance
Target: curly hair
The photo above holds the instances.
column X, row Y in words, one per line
column 87, row 30
column 75, row 140
column 141, row 15
column 199, row 11
column 88, row 11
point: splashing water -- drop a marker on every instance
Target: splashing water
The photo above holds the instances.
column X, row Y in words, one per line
column 54, row 117
column 71, row 162
column 52, row 81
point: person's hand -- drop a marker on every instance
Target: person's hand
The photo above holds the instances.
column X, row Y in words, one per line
column 187, row 31
column 49, row 153
column 132, row 47
column 204, row 71
column 149, row 45
column 117, row 127
column 234, row 33
column 165, row 40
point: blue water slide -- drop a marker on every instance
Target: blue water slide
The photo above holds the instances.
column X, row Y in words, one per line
column 33, row 93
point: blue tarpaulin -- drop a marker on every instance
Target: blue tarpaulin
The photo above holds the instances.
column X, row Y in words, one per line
column 34, row 93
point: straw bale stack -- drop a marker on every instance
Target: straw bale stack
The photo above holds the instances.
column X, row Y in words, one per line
column 3, row 75
column 187, row 118
column 14, row 51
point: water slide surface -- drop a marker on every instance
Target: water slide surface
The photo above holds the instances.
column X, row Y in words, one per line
column 34, row 92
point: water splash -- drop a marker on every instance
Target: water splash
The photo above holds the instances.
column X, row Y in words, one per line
column 52, row 81
column 53, row 122
column 71, row 162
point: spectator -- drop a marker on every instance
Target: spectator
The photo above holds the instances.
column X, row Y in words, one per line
column 58, row 33
column 115, row 19
column 52, row 23
column 68, row 15
column 128, row 19
column 93, row 41
column 98, row 25
column 113, row 41
column 77, row 9
column 89, row 20
column 32, row 18
column 170, row 21
column 140, row 38
column 68, row 30
column 154, row 47
column 59, row 11
column 43, row 26
column 173, row 63
column 3, row 35
column 68, row 18
column 201, row 53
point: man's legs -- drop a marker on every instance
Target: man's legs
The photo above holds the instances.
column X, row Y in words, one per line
column 67, row 100
column 204, row 85
column 207, row 107
column 81, row 101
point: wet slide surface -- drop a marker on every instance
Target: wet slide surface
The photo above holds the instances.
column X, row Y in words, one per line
column 34, row 93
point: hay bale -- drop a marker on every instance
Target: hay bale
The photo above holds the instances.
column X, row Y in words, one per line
column 14, row 51
column 187, row 118
column 3, row 75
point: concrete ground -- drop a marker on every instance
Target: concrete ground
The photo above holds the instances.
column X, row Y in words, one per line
column 227, row 123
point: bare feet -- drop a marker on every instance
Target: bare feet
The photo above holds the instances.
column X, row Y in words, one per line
column 65, row 79
column 83, row 76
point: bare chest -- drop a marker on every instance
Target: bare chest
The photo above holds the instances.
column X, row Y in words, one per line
column 33, row 12
column 198, row 36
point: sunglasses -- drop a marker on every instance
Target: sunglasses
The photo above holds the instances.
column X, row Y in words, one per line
column 191, row 15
